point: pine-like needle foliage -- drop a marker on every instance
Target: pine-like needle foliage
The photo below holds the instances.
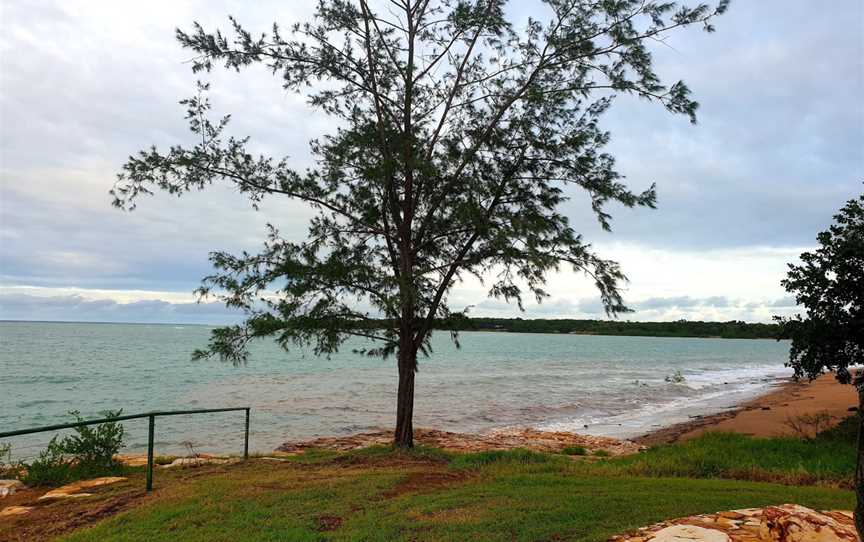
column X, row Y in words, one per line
column 458, row 136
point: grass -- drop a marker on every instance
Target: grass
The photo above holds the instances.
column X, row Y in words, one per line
column 393, row 496
column 828, row 460
column 378, row 494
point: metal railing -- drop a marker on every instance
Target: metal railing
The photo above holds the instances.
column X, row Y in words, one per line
column 151, row 416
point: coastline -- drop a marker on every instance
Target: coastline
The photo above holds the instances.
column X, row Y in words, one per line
column 767, row 414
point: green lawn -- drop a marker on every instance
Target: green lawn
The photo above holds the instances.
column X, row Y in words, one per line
column 377, row 494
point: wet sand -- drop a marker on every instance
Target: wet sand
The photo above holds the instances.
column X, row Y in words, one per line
column 767, row 415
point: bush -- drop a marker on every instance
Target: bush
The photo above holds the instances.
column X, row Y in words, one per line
column 94, row 446
column 574, row 450
column 88, row 453
column 601, row 453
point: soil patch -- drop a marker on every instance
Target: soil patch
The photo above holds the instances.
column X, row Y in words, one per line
column 425, row 481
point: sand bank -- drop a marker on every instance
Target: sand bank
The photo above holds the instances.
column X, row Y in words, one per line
column 768, row 415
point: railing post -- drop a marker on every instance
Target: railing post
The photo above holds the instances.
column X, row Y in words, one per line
column 246, row 438
column 150, row 432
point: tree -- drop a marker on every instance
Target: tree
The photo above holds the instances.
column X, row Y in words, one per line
column 457, row 137
column 829, row 284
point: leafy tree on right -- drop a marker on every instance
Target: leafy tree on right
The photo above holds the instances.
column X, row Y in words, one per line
column 829, row 284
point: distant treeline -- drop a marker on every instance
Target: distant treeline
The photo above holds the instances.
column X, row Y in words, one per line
column 681, row 328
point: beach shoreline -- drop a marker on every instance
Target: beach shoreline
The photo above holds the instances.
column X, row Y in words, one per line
column 768, row 414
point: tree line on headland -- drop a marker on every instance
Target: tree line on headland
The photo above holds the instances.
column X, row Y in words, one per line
column 733, row 329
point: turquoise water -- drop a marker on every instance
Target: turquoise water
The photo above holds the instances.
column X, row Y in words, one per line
column 613, row 385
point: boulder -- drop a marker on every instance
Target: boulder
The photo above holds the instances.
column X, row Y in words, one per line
column 197, row 462
column 785, row 523
column 15, row 511
column 72, row 490
column 794, row 523
column 9, row 487
column 689, row 533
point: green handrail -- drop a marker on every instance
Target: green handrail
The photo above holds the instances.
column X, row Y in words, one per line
column 151, row 416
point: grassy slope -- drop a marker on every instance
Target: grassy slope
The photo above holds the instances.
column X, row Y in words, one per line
column 381, row 495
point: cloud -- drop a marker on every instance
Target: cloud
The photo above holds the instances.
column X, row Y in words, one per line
column 77, row 308
column 776, row 152
column 681, row 302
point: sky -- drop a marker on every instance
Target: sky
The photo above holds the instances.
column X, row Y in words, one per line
column 778, row 149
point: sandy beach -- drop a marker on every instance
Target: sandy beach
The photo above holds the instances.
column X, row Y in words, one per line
column 768, row 414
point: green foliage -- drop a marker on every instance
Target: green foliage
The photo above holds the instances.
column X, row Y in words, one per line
column 681, row 328
column 574, row 450
column 601, row 453
column 829, row 458
column 460, row 136
column 404, row 500
column 829, row 284
column 507, row 457
column 52, row 467
column 94, row 446
column 86, row 454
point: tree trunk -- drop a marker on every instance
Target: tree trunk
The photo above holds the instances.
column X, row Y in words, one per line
column 859, row 468
column 404, row 437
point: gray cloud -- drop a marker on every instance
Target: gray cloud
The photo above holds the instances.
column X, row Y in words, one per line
column 680, row 302
column 777, row 151
column 77, row 308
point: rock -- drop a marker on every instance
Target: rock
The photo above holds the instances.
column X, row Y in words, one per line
column 15, row 511
column 72, row 490
column 131, row 460
column 731, row 514
column 9, row 487
column 689, row 533
column 786, row 523
column 794, row 523
column 498, row 439
column 196, row 462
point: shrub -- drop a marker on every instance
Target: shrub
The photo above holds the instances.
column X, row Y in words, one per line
column 88, row 453
column 574, row 450
column 51, row 467
column 601, row 453
column 807, row 426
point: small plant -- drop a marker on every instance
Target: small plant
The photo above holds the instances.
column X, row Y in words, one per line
column 89, row 452
column 676, row 378
column 94, row 446
column 807, row 426
column 52, row 467
column 601, row 453
column 190, row 448
column 574, row 450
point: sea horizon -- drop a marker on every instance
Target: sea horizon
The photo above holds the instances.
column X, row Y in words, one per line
column 593, row 384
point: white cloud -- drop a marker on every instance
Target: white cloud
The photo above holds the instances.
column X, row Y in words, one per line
column 85, row 84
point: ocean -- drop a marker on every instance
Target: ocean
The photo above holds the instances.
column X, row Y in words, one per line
column 603, row 385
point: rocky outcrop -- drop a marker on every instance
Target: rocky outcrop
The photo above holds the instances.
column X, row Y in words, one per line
column 793, row 523
column 15, row 511
column 198, row 461
column 503, row 439
column 786, row 523
column 74, row 490
column 689, row 533
column 9, row 487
